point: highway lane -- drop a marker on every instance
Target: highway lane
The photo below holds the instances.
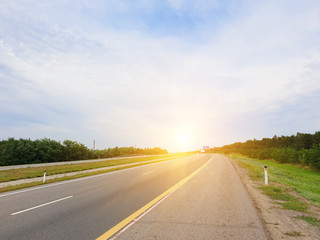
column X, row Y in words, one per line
column 213, row 204
column 86, row 208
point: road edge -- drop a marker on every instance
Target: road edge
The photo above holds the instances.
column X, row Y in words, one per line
column 279, row 223
column 253, row 199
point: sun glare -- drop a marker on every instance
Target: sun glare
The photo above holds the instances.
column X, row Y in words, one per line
column 183, row 138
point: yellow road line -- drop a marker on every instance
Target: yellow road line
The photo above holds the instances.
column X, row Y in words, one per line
column 126, row 221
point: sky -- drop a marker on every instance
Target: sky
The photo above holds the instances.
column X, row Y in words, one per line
column 176, row 74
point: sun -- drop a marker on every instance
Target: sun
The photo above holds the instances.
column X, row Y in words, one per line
column 183, row 138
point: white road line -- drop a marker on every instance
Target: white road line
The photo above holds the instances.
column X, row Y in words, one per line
column 85, row 178
column 147, row 173
column 42, row 205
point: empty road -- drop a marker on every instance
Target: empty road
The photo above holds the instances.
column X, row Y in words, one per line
column 212, row 204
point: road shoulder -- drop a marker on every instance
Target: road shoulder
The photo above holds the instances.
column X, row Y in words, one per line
column 279, row 222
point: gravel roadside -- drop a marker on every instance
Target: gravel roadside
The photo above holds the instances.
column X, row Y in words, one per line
column 279, row 222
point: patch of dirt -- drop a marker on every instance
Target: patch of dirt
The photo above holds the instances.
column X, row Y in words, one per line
column 279, row 222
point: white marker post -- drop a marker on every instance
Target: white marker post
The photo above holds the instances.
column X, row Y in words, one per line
column 265, row 175
column 44, row 176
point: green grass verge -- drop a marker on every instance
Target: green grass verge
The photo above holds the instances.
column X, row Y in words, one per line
column 305, row 182
column 284, row 198
column 33, row 184
column 32, row 172
column 312, row 220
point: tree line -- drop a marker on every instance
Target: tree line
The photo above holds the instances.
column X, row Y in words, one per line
column 302, row 148
column 26, row 151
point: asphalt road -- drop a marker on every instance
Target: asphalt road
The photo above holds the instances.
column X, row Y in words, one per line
column 86, row 208
column 213, row 204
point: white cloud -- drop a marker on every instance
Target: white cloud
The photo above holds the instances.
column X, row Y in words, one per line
column 176, row 4
column 129, row 87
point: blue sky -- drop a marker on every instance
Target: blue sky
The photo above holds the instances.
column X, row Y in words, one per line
column 176, row 74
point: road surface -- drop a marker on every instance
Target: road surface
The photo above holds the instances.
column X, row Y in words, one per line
column 87, row 208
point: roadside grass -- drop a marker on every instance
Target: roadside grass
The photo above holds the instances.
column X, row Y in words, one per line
column 294, row 234
column 255, row 172
column 312, row 220
column 32, row 172
column 304, row 181
column 284, row 198
column 38, row 183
